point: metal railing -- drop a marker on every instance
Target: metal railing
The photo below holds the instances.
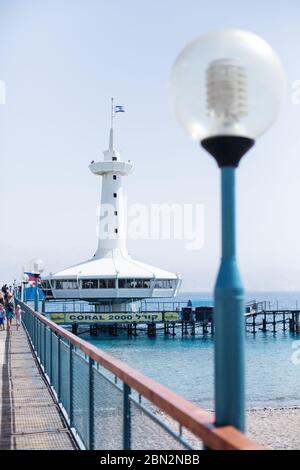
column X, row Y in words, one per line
column 110, row 406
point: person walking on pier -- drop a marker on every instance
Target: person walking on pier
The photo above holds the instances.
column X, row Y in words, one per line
column 18, row 315
column 2, row 317
column 5, row 291
column 10, row 310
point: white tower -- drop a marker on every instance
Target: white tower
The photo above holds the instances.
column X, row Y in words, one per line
column 112, row 227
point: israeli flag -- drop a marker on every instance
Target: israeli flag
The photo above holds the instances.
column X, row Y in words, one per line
column 119, row 109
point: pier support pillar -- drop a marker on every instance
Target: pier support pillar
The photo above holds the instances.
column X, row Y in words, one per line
column 113, row 329
column 283, row 321
column 297, row 322
column 253, row 325
column 274, row 323
column 151, row 329
column 75, row 328
column 291, row 323
column 264, row 325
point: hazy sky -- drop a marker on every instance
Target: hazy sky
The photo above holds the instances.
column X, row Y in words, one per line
column 62, row 60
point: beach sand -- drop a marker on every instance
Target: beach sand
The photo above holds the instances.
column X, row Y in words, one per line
column 275, row 428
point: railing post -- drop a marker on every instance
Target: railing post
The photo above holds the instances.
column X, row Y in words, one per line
column 37, row 338
column 91, row 406
column 32, row 326
column 45, row 348
column 126, row 417
column 34, row 333
column 28, row 323
column 40, row 338
column 58, row 368
column 71, row 384
column 42, row 344
column 26, row 320
column 51, row 358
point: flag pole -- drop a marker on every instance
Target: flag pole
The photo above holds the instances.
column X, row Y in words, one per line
column 111, row 134
column 112, row 113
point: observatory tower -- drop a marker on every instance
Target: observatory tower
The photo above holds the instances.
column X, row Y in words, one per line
column 112, row 232
column 111, row 279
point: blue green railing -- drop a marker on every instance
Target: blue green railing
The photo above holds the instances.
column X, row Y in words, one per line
column 110, row 406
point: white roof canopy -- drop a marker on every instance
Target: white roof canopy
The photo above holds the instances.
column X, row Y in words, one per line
column 117, row 266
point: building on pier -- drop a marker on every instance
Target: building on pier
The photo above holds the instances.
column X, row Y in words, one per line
column 112, row 278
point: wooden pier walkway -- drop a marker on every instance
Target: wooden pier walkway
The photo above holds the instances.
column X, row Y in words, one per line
column 30, row 418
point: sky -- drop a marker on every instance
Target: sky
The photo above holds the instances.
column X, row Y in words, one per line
column 62, row 61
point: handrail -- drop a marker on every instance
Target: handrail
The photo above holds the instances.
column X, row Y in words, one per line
column 187, row 414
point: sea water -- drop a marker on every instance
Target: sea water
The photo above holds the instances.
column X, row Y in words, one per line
column 185, row 364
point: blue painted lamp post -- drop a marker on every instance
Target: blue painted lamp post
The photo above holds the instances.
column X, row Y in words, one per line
column 36, row 269
column 24, row 282
column 36, row 291
column 227, row 87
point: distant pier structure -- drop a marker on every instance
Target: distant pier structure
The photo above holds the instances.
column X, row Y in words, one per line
column 170, row 319
column 111, row 280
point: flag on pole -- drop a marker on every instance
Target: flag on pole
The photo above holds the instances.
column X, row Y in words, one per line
column 119, row 109
column 31, row 279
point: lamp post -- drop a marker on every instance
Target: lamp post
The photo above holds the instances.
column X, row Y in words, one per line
column 23, row 287
column 36, row 291
column 36, row 270
column 226, row 88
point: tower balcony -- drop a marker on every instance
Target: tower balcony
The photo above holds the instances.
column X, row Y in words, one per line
column 104, row 167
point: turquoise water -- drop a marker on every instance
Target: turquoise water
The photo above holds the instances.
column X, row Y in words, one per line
column 185, row 365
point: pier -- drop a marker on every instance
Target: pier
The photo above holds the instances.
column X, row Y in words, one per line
column 30, row 415
column 273, row 321
column 60, row 392
column 170, row 319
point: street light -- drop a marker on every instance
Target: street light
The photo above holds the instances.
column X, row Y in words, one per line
column 24, row 281
column 37, row 267
column 227, row 87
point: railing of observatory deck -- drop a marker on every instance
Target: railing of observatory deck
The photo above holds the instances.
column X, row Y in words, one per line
column 110, row 406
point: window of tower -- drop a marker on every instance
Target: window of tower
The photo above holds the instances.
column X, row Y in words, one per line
column 134, row 283
column 116, row 212
column 114, row 177
column 116, row 230
column 164, row 284
column 107, row 283
column 114, row 159
column 66, row 284
column 115, row 194
column 90, row 284
column 111, row 283
column 98, row 283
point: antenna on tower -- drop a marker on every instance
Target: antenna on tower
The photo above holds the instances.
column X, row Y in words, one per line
column 112, row 113
column 111, row 134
